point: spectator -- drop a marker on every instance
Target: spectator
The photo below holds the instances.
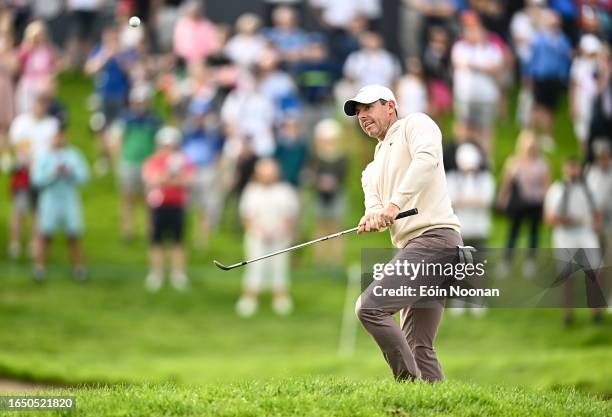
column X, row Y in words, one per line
column 584, row 85
column 130, row 37
column 372, row 64
column 277, row 85
column 110, row 64
column 412, row 90
column 269, row 210
column 568, row 12
column 329, row 167
column 195, row 37
column 342, row 43
column 493, row 14
column 58, row 174
column 286, row 36
column 198, row 85
column 599, row 180
column 31, row 136
column 316, row 76
column 202, row 145
column 338, row 14
column 249, row 115
column 168, row 176
column 548, row 70
column 83, row 15
column 420, row 15
column 525, row 179
column 524, row 25
column 437, row 68
column 50, row 12
column 477, row 63
column 291, row 152
column 136, row 130
column 601, row 120
column 571, row 210
column 8, row 70
column 165, row 21
column 37, row 64
column 472, row 191
column 247, row 45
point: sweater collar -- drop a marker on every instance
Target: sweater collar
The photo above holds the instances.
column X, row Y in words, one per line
column 392, row 129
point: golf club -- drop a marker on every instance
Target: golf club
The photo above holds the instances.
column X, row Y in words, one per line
column 219, row 265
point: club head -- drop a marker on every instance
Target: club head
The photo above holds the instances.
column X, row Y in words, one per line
column 221, row 266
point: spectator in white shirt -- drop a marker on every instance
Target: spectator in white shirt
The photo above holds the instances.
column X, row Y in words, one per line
column 372, row 64
column 571, row 210
column 472, row 191
column 477, row 63
column 584, row 85
column 248, row 115
column 338, row 14
column 599, row 178
column 31, row 136
column 247, row 45
column 412, row 90
column 269, row 210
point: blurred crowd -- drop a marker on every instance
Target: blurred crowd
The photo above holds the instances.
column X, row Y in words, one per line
column 251, row 112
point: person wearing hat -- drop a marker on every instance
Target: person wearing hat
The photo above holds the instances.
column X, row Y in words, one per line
column 584, row 84
column 135, row 132
column 167, row 175
column 407, row 172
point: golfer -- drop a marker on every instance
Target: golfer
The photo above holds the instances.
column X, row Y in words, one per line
column 407, row 172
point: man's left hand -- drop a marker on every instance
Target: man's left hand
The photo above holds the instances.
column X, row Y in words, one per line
column 380, row 220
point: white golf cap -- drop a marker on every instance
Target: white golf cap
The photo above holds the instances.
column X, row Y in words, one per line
column 590, row 44
column 367, row 95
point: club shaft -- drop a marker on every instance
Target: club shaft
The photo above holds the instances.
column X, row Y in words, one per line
column 301, row 245
column 406, row 213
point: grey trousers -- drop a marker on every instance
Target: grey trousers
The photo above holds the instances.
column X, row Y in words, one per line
column 408, row 347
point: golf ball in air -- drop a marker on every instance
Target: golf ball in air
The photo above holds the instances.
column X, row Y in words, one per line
column 134, row 21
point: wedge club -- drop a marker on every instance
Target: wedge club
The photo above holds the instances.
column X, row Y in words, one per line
column 219, row 265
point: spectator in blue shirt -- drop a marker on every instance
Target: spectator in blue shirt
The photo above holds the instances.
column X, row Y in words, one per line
column 568, row 11
column 548, row 70
column 109, row 65
column 58, row 174
column 202, row 145
column 286, row 36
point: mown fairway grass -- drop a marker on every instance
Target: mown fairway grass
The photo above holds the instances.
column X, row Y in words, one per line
column 188, row 354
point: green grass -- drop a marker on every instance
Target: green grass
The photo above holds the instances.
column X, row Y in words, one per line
column 188, row 354
column 331, row 397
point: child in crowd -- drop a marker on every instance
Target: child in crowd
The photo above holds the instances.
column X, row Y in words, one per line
column 167, row 175
column 269, row 210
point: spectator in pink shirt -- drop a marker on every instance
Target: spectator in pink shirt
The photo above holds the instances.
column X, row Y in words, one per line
column 195, row 37
column 38, row 62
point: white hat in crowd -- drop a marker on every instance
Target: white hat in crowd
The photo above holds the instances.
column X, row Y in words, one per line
column 590, row 44
column 168, row 136
column 367, row 95
column 468, row 157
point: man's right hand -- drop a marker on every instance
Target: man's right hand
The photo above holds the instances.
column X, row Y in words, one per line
column 372, row 222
